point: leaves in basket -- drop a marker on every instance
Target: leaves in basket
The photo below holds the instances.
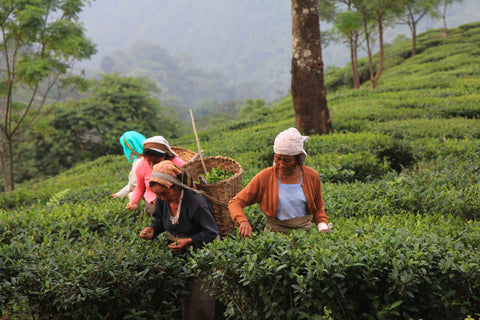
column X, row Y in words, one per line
column 214, row 175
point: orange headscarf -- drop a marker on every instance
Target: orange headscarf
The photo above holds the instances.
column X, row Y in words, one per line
column 165, row 167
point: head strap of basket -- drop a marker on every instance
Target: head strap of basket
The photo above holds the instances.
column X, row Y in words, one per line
column 183, row 154
column 222, row 191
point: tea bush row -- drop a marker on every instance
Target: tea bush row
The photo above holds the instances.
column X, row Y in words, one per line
column 445, row 186
column 62, row 264
column 79, row 262
column 390, row 267
column 85, row 182
column 441, row 129
column 385, row 107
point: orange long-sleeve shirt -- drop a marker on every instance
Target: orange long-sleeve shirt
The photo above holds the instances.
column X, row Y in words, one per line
column 263, row 189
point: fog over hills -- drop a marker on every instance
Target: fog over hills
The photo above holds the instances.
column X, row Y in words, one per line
column 247, row 40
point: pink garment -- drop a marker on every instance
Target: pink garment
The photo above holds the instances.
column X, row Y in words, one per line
column 142, row 188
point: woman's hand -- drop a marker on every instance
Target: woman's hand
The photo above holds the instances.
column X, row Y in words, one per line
column 114, row 195
column 147, row 233
column 180, row 244
column 131, row 205
column 323, row 227
column 245, row 229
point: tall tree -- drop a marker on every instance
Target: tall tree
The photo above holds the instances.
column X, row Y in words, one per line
column 40, row 39
column 361, row 8
column 415, row 10
column 380, row 13
column 348, row 24
column 445, row 4
column 308, row 90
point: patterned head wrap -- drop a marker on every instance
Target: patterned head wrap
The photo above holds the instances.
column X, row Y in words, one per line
column 290, row 143
column 164, row 171
column 131, row 142
column 159, row 144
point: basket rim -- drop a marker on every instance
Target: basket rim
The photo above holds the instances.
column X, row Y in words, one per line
column 182, row 149
column 183, row 153
column 236, row 175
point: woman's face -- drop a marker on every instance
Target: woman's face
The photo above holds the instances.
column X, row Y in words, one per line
column 164, row 193
column 153, row 160
column 285, row 164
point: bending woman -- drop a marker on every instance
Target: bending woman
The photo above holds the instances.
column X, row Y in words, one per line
column 289, row 193
column 182, row 212
column 188, row 219
column 155, row 150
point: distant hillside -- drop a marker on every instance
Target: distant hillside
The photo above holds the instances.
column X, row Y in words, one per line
column 182, row 84
column 246, row 40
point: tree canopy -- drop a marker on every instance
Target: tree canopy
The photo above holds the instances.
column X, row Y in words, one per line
column 40, row 40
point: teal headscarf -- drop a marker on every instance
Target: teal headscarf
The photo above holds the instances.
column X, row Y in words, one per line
column 131, row 142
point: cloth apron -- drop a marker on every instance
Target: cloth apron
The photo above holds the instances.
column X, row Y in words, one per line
column 285, row 226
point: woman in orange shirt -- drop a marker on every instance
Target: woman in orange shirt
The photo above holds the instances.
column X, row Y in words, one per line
column 289, row 193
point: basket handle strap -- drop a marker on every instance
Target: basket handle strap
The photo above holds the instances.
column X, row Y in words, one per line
column 175, row 181
column 133, row 151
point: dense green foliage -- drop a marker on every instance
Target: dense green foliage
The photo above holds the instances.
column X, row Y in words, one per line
column 216, row 175
column 85, row 129
column 401, row 183
column 75, row 254
column 391, row 267
column 40, row 41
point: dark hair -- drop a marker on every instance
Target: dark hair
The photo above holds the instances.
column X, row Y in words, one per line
column 185, row 178
column 298, row 159
column 152, row 183
column 155, row 153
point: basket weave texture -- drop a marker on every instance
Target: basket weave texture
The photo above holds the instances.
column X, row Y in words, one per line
column 183, row 154
column 222, row 191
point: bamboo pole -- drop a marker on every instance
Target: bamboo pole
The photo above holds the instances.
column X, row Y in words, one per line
column 198, row 142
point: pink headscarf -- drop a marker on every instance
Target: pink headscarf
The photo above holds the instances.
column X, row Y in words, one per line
column 290, row 143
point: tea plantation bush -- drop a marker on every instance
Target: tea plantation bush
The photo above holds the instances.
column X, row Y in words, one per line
column 77, row 261
column 401, row 183
column 396, row 266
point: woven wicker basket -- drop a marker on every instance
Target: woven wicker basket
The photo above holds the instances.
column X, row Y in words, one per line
column 222, row 191
column 184, row 154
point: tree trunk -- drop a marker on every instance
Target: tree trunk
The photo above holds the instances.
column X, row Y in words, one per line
column 308, row 91
column 414, row 39
column 413, row 30
column 3, row 168
column 380, row 59
column 444, row 17
column 354, row 59
column 10, row 163
column 369, row 51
